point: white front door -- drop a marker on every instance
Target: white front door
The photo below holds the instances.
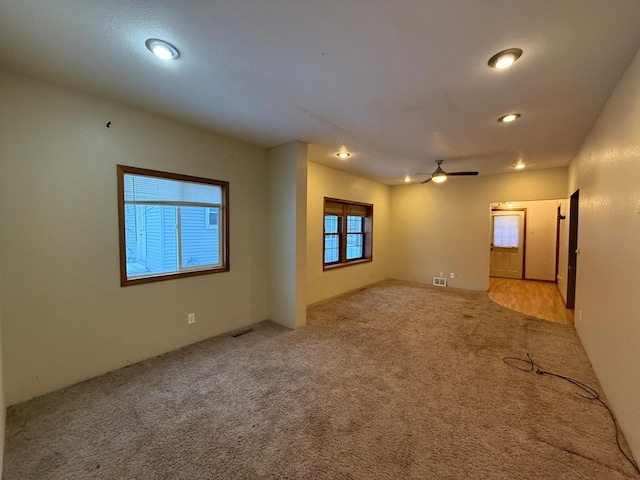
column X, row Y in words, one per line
column 507, row 243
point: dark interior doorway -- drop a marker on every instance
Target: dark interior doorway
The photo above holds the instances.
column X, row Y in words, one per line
column 558, row 218
column 573, row 249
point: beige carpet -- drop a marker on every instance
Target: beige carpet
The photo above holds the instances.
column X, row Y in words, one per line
column 397, row 381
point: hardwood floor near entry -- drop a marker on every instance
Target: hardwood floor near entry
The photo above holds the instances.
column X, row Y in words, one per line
column 538, row 299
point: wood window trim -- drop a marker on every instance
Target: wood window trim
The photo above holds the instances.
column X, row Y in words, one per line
column 330, row 204
column 223, row 216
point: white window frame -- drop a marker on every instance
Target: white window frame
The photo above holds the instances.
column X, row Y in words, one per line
column 207, row 223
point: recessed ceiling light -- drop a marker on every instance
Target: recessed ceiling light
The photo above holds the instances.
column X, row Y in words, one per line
column 162, row 49
column 505, row 58
column 510, row 117
column 343, row 155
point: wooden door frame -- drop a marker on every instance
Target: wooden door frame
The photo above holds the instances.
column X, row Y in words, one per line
column 524, row 235
column 572, row 259
column 559, row 217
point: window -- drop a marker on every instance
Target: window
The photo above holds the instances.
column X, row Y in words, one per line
column 506, row 230
column 347, row 233
column 171, row 225
column 211, row 218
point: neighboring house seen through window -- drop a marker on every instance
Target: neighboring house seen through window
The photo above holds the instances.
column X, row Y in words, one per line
column 347, row 232
column 170, row 225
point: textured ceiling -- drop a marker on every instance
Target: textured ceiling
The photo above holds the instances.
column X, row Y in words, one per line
column 399, row 83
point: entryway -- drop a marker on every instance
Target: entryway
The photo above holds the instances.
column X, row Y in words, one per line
column 507, row 242
column 528, row 257
column 531, row 297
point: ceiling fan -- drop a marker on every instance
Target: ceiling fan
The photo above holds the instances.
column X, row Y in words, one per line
column 440, row 175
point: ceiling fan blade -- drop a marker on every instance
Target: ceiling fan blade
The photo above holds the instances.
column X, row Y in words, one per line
column 440, row 172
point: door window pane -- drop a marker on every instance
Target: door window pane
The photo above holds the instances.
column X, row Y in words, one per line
column 506, row 231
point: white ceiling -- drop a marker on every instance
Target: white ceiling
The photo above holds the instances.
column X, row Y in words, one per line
column 399, row 83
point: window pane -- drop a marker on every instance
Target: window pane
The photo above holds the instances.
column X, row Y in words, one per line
column 150, row 239
column 355, row 245
column 354, row 224
column 331, row 248
column 148, row 189
column 506, row 231
column 130, row 234
column 330, row 224
column 199, row 243
column 211, row 218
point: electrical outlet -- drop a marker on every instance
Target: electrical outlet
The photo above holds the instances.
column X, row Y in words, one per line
column 452, row 275
column 191, row 318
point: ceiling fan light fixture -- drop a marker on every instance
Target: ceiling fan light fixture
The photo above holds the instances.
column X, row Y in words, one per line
column 161, row 49
column 343, row 155
column 505, row 58
column 519, row 166
column 439, row 177
column 508, row 118
column 407, row 179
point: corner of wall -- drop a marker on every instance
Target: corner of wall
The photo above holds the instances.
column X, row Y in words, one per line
column 324, row 181
column 301, row 234
column 287, row 184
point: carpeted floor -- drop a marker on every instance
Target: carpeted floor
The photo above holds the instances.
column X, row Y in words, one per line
column 396, row 381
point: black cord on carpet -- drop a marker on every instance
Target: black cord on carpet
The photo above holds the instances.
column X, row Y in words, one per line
column 590, row 393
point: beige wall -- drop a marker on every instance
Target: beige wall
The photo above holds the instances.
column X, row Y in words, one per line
column 65, row 316
column 287, row 190
column 540, row 262
column 327, row 182
column 607, row 172
column 446, row 228
column 540, row 251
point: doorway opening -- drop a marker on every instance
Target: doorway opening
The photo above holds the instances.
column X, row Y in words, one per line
column 508, row 242
column 573, row 249
column 540, row 289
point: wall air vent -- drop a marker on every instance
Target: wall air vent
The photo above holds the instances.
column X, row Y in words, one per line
column 439, row 281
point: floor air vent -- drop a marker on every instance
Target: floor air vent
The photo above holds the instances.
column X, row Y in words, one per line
column 242, row 331
column 439, row 281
